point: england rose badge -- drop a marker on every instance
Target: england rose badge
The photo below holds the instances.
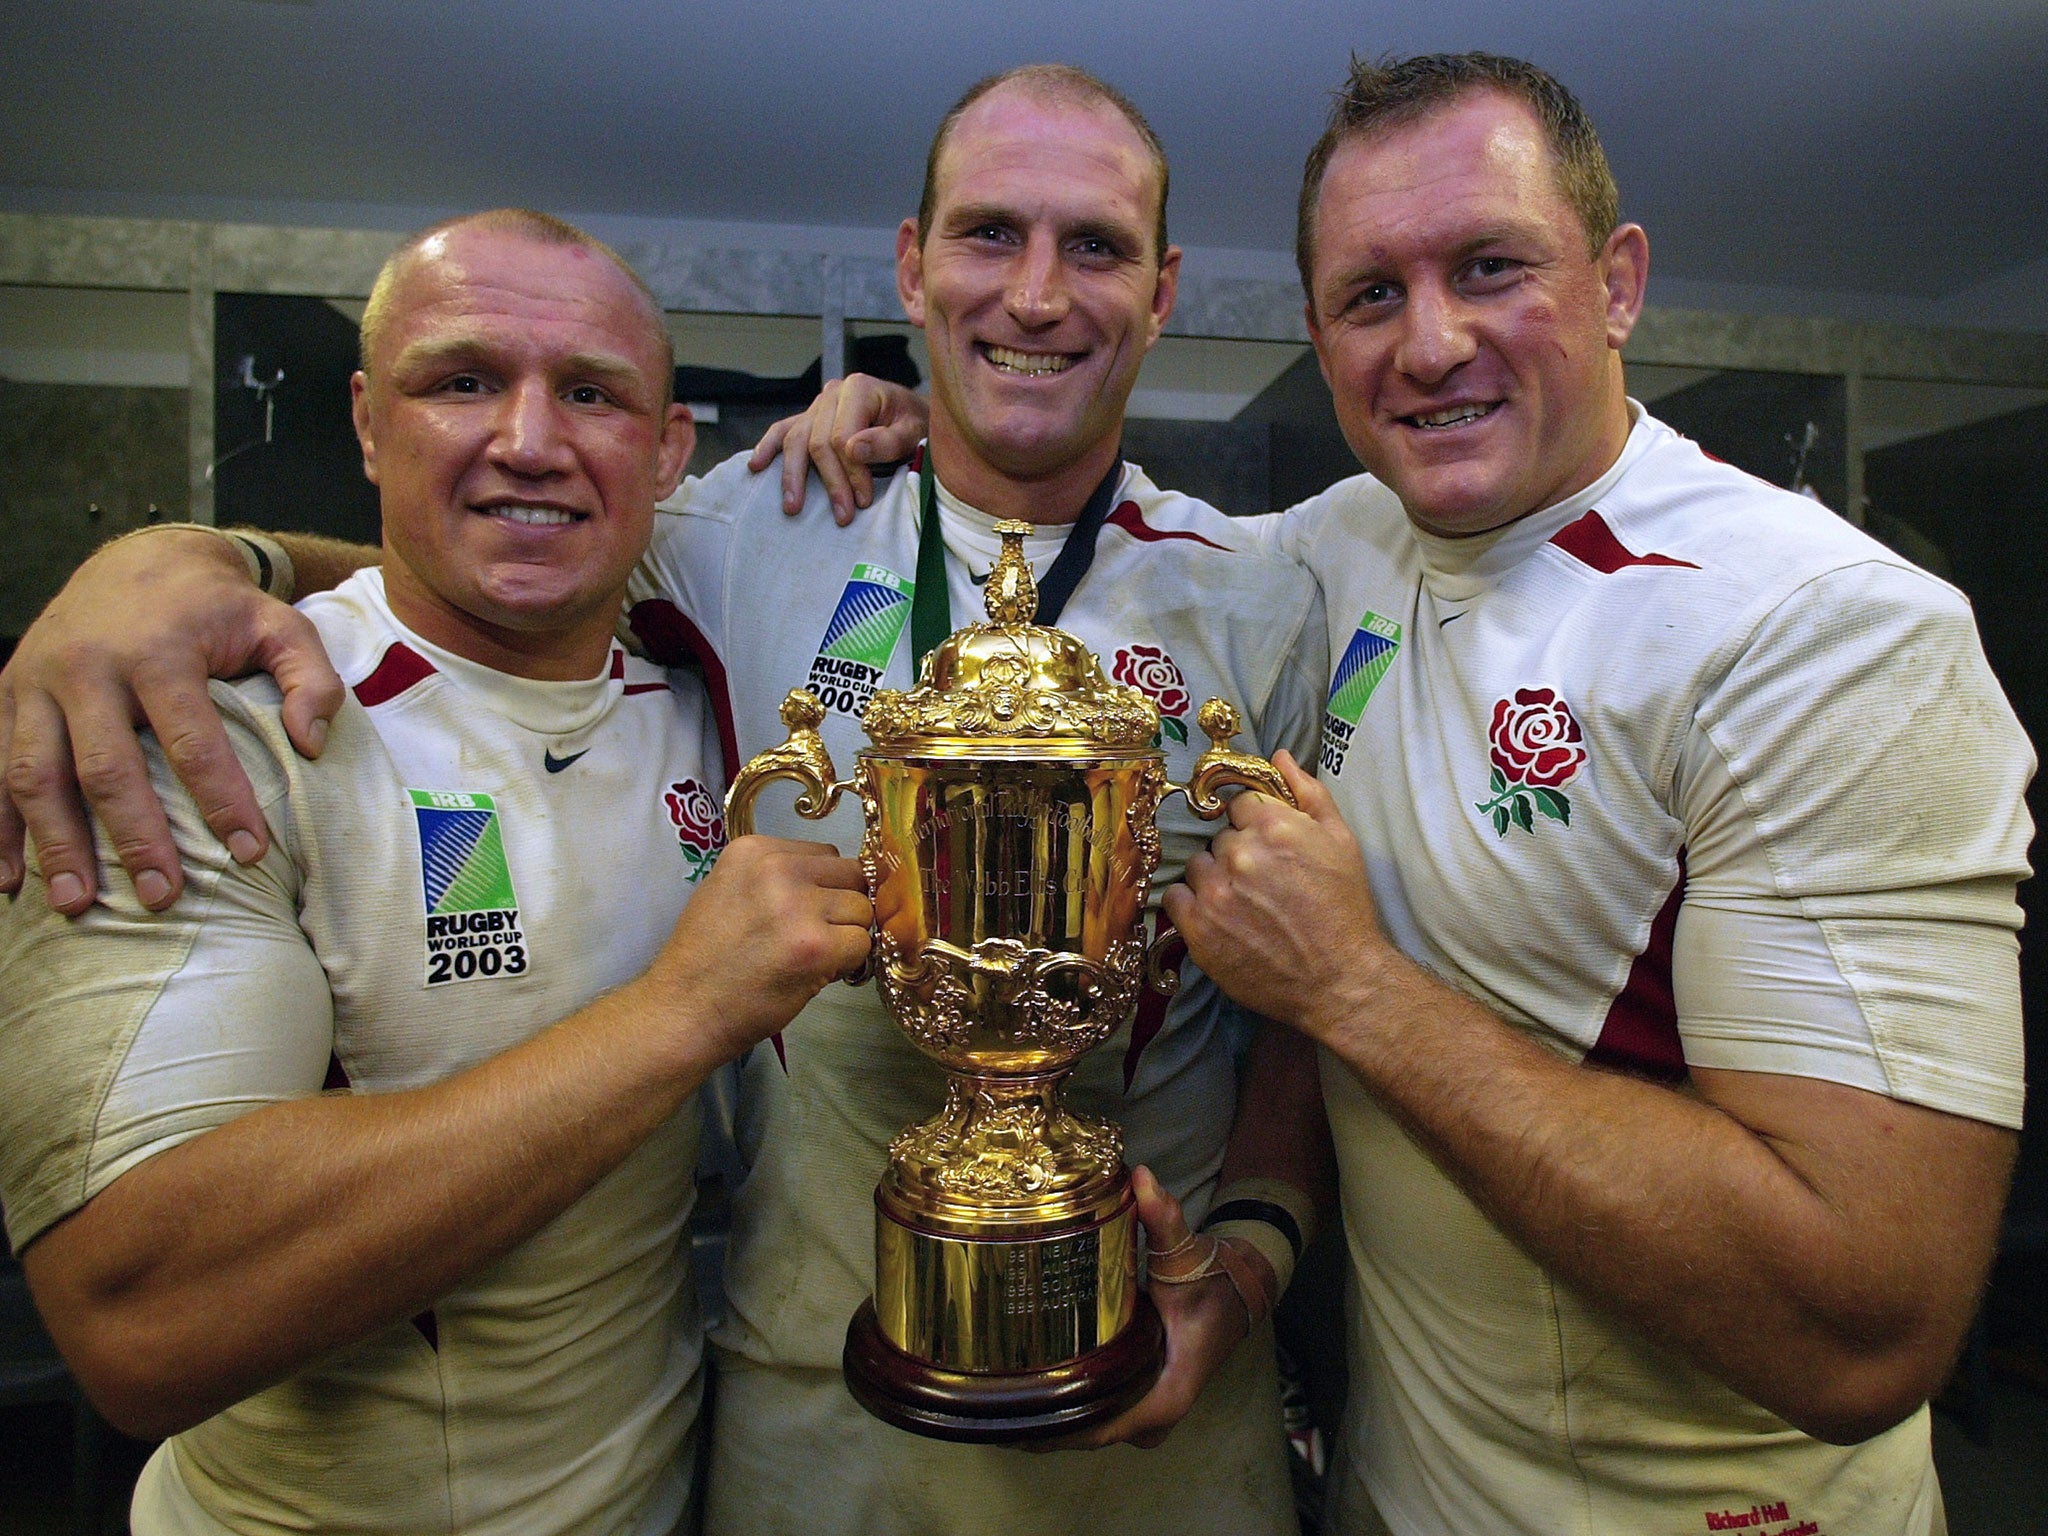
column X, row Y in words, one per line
column 699, row 823
column 1153, row 673
column 1537, row 748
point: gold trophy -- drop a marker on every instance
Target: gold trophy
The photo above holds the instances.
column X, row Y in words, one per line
column 1010, row 802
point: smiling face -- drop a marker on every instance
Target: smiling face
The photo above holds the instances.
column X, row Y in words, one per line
column 1039, row 292
column 515, row 419
column 1471, row 344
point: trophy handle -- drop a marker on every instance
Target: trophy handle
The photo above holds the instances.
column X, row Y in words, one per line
column 802, row 758
column 1220, row 765
column 1215, row 768
column 1160, row 976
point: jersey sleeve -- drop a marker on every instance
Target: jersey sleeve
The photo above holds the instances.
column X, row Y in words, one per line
column 685, row 563
column 1270, row 531
column 1855, row 824
column 127, row 1032
column 1341, row 521
column 1294, row 710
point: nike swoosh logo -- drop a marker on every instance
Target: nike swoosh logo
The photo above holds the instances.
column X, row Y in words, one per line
column 555, row 764
column 1440, row 623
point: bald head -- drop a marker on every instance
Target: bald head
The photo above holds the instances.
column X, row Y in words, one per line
column 514, row 416
column 524, row 223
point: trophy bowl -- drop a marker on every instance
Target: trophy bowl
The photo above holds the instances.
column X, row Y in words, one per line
column 1010, row 803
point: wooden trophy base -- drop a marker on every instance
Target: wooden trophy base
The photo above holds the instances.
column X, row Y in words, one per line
column 1002, row 1408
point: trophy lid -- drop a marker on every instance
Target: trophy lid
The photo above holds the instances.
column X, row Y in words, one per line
column 1013, row 681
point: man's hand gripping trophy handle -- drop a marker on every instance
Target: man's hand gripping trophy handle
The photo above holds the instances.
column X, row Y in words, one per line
column 1221, row 765
column 1180, row 1259
column 805, row 760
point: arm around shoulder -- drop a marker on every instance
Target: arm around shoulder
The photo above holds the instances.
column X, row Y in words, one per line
column 133, row 638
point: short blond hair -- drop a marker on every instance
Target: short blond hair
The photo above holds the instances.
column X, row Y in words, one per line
column 1389, row 92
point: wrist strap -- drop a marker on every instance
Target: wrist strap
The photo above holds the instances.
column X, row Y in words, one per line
column 269, row 567
column 1270, row 1215
column 1233, row 1257
column 1203, row 1255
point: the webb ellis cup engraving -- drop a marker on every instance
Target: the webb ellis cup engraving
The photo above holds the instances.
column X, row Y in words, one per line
column 1010, row 803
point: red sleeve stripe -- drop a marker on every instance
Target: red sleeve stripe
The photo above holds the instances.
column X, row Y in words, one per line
column 671, row 640
column 399, row 668
column 1591, row 542
column 1128, row 518
column 619, row 671
column 1640, row 1035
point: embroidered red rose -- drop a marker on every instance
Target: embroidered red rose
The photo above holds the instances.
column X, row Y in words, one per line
column 1534, row 739
column 699, row 823
column 1152, row 672
column 1537, row 748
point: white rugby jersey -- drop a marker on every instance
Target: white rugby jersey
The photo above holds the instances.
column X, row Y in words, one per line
column 472, row 858
column 1179, row 602
column 1683, row 770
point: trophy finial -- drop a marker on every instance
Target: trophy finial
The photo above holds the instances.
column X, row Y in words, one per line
column 1220, row 765
column 1011, row 594
column 801, row 710
column 1219, row 722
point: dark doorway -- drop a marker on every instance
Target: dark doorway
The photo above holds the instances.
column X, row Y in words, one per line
column 285, row 452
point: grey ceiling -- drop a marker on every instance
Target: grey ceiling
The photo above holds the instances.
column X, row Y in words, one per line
column 1892, row 148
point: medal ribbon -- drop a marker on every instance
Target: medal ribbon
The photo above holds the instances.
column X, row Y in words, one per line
column 931, row 606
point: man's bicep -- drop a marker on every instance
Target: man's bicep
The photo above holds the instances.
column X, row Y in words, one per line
column 1884, row 966
column 1922, row 1188
column 1875, row 1051
column 241, row 1022
column 126, row 1033
column 1907, row 1004
column 1757, row 990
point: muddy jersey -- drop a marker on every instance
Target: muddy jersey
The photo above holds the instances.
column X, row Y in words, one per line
column 1681, row 771
column 1178, row 603
column 473, row 857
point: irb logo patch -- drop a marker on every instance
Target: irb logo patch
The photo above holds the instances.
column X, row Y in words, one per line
column 1366, row 660
column 860, row 639
column 472, row 914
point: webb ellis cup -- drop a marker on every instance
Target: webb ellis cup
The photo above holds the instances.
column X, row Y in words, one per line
column 1010, row 802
